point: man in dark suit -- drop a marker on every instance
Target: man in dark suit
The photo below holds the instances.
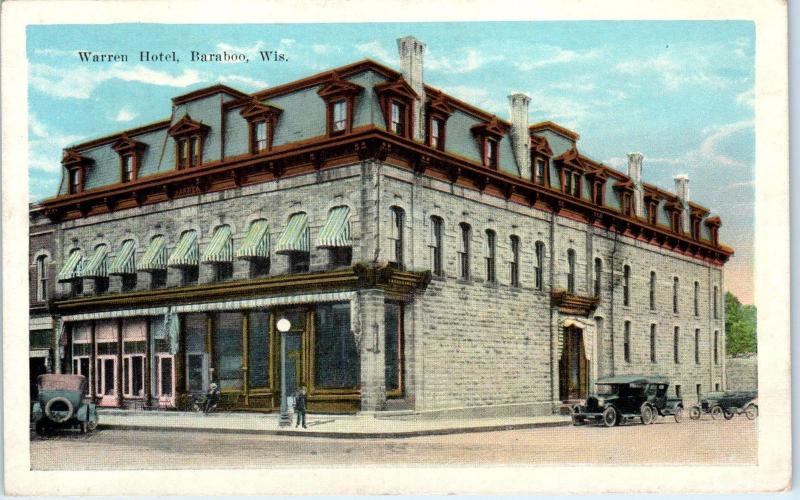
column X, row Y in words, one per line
column 300, row 407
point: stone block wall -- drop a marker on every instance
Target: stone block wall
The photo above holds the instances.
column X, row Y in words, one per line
column 742, row 372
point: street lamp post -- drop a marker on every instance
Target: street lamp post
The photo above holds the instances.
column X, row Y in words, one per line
column 283, row 326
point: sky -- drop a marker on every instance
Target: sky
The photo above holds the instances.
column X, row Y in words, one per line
column 681, row 93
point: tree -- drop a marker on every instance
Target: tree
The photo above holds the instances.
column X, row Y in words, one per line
column 740, row 326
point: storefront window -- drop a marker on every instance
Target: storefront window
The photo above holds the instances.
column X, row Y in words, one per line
column 336, row 357
column 258, row 350
column 393, row 349
column 196, row 354
column 228, row 350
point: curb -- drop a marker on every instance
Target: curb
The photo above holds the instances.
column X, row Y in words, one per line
column 339, row 435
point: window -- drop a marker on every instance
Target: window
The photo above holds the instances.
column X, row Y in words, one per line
column 675, row 285
column 223, row 271
column 676, row 349
column 539, row 171
column 134, row 336
column 716, row 347
column 128, row 282
column 597, row 193
column 258, row 352
column 436, row 245
column 339, row 110
column 491, row 277
column 463, row 254
column 571, row 271
column 626, row 285
column 514, row 263
column 158, row 278
column 598, row 274
column 189, row 275
column 436, row 134
column 76, row 287
column 100, row 285
column 396, row 236
column 393, row 359
column 677, row 390
column 228, row 350
column 299, row 262
column 189, row 151
column 716, row 303
column 652, row 212
column 196, row 330
column 626, row 346
column 699, row 389
column 75, row 184
column 127, row 168
column 336, row 358
column 539, row 270
column 696, row 298
column 41, row 278
column 653, row 343
column 490, row 153
column 398, row 123
column 627, row 205
column 716, row 387
column 652, row 290
column 259, row 131
column 572, row 183
column 697, row 346
column 259, row 268
column 340, row 257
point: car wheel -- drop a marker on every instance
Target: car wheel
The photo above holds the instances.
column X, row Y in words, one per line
column 59, row 409
column 646, row 414
column 728, row 414
column 610, row 416
column 751, row 412
column 41, row 428
column 678, row 414
column 695, row 413
column 716, row 412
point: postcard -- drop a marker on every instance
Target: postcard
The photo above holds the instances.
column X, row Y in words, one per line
column 360, row 249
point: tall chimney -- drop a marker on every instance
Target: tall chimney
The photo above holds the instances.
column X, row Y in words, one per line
column 520, row 136
column 682, row 191
column 635, row 173
column 412, row 53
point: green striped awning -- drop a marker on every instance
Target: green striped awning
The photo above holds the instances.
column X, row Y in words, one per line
column 155, row 256
column 185, row 253
column 336, row 232
column 256, row 242
column 220, row 249
column 295, row 237
column 125, row 260
column 97, row 265
column 72, row 267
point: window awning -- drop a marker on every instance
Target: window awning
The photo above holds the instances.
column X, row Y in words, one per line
column 220, row 249
column 256, row 242
column 124, row 262
column 185, row 253
column 155, row 256
column 97, row 265
column 72, row 267
column 336, row 232
column 295, row 237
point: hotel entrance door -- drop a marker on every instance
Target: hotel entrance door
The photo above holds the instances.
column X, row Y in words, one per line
column 573, row 367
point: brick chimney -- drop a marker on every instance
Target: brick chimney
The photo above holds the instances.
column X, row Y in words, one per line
column 520, row 136
column 412, row 54
column 682, row 192
column 635, row 173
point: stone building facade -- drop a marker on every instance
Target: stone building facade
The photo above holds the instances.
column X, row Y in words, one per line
column 429, row 256
column 42, row 258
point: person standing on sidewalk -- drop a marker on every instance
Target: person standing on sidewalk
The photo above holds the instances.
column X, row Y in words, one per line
column 300, row 407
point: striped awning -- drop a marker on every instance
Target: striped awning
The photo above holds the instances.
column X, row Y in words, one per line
column 185, row 253
column 336, row 232
column 124, row 262
column 155, row 257
column 295, row 237
column 220, row 249
column 97, row 265
column 72, row 267
column 256, row 242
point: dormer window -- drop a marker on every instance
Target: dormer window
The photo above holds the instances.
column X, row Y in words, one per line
column 127, row 168
column 696, row 228
column 488, row 136
column 572, row 183
column 490, row 153
column 540, row 156
column 438, row 113
column 398, row 125
column 339, row 116
column 713, row 225
column 436, row 134
column 259, row 136
column 130, row 153
column 262, row 119
column 598, row 195
column 627, row 207
column 652, row 212
column 188, row 152
column 75, row 181
column 572, row 167
column 539, row 165
column 189, row 136
column 75, row 164
column 340, row 97
column 397, row 102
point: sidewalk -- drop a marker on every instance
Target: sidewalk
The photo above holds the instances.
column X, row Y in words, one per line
column 329, row 426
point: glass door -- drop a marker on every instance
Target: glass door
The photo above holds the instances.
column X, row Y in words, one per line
column 293, row 367
column 107, row 380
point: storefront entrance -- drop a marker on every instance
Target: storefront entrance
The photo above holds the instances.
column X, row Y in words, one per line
column 573, row 366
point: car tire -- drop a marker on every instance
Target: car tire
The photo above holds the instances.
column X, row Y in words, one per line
column 58, row 418
column 646, row 414
column 678, row 414
column 751, row 412
column 695, row 413
column 610, row 416
column 716, row 412
column 728, row 414
column 42, row 428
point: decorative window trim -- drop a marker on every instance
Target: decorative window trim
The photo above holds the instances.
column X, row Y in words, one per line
column 674, row 209
column 257, row 112
column 651, row 201
column 625, row 194
column 74, row 161
column 335, row 91
column 438, row 111
column 570, row 164
column 187, row 129
column 540, row 151
column 398, row 91
column 485, row 133
column 713, row 225
column 127, row 147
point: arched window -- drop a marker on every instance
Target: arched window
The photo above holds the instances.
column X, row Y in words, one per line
column 626, row 346
column 396, row 236
column 598, row 273
column 676, row 349
column 463, row 253
column 716, row 303
column 653, row 343
column 571, row 271
column 652, row 290
column 539, row 270
column 491, row 275
column 436, row 245
column 626, row 285
column 697, row 346
column 696, row 298
column 41, row 278
column 513, row 264
column 675, row 285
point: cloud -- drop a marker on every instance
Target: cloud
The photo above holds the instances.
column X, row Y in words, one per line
column 318, row 48
column 477, row 96
column 243, row 80
column 125, row 114
column 45, row 145
column 546, row 55
column 691, row 69
column 710, row 149
column 376, row 50
column 470, row 61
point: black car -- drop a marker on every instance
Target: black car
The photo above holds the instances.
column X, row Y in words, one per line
column 628, row 397
column 726, row 404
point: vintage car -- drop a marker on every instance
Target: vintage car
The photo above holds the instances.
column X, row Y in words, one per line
column 62, row 403
column 627, row 397
column 726, row 404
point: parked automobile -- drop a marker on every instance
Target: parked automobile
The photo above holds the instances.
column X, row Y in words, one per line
column 627, row 397
column 726, row 405
column 62, row 403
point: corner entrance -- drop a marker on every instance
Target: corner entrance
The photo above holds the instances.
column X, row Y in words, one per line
column 572, row 366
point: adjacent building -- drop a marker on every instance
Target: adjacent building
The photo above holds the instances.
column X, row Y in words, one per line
column 428, row 255
column 42, row 258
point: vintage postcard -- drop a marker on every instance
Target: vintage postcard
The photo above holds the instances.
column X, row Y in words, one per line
column 378, row 249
